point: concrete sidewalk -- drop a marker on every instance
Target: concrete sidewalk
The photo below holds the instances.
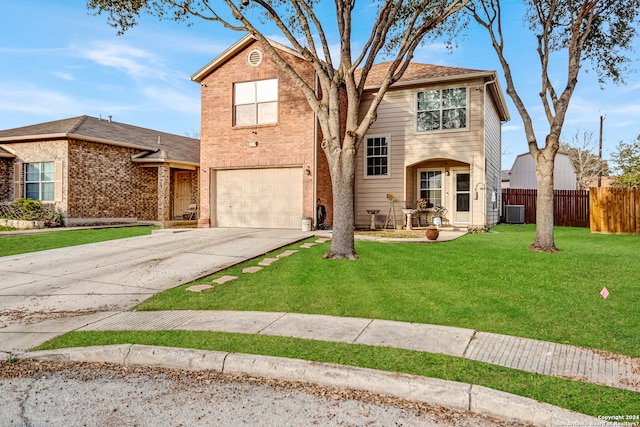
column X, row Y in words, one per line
column 524, row 354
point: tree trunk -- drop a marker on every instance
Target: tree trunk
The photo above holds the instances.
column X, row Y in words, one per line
column 545, row 241
column 343, row 179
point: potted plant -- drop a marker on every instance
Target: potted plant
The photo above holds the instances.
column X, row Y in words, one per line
column 439, row 212
column 432, row 232
column 423, row 204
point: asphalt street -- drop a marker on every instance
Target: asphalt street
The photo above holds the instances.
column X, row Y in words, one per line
column 63, row 394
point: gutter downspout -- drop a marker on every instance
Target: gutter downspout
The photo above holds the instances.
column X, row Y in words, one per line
column 315, row 157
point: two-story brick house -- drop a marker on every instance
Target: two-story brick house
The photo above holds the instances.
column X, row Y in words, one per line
column 437, row 136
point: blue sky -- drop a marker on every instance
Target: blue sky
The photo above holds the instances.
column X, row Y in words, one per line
column 58, row 61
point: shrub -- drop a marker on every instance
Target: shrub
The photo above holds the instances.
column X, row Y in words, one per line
column 31, row 210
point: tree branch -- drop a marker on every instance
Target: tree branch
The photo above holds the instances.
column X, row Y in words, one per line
column 492, row 16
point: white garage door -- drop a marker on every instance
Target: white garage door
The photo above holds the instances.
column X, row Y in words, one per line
column 263, row 198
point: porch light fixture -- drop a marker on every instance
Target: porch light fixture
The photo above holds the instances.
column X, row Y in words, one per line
column 484, row 187
column 307, row 171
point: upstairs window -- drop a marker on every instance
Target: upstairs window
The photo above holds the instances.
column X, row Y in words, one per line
column 444, row 109
column 377, row 156
column 39, row 181
column 255, row 103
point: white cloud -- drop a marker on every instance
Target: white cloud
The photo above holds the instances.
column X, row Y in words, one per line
column 31, row 50
column 511, row 128
column 138, row 63
column 624, row 109
column 172, row 99
column 31, row 99
column 63, row 76
column 279, row 38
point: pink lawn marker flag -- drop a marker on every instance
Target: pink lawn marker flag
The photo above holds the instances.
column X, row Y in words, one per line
column 604, row 292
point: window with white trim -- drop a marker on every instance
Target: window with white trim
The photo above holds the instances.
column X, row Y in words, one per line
column 255, row 103
column 377, row 156
column 430, row 186
column 442, row 109
column 39, row 181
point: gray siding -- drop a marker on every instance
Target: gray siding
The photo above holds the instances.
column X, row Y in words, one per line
column 493, row 157
column 523, row 173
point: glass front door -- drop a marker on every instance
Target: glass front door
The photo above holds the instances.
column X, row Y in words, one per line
column 462, row 197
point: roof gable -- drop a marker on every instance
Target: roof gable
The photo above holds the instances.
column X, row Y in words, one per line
column 232, row 51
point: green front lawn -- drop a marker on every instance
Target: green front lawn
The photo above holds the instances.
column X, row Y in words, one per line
column 489, row 282
column 25, row 243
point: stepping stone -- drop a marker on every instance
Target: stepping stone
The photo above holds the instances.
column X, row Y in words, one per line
column 199, row 288
column 323, row 240
column 307, row 245
column 251, row 269
column 267, row 261
column 224, row 279
column 286, row 254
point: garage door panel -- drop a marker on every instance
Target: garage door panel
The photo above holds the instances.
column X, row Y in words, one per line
column 265, row 198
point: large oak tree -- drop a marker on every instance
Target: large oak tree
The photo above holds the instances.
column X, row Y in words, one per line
column 396, row 30
column 577, row 32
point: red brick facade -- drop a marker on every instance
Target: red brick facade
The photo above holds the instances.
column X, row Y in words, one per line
column 289, row 143
column 104, row 183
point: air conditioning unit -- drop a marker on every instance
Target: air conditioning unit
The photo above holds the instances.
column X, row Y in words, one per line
column 514, row 214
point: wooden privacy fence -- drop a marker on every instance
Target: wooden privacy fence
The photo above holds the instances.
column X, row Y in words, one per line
column 615, row 210
column 570, row 207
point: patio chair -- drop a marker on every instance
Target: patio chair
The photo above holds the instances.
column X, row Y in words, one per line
column 190, row 212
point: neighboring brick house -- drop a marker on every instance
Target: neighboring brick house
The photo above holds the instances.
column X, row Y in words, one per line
column 437, row 136
column 99, row 171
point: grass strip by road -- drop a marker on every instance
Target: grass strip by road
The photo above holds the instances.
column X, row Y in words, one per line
column 581, row 397
column 25, row 243
column 489, row 282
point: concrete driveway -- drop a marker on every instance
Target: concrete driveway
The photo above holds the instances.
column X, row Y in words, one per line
column 44, row 294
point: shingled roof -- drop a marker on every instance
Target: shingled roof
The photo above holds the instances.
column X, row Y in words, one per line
column 160, row 146
column 417, row 72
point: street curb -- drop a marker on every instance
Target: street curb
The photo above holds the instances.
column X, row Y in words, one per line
column 478, row 399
